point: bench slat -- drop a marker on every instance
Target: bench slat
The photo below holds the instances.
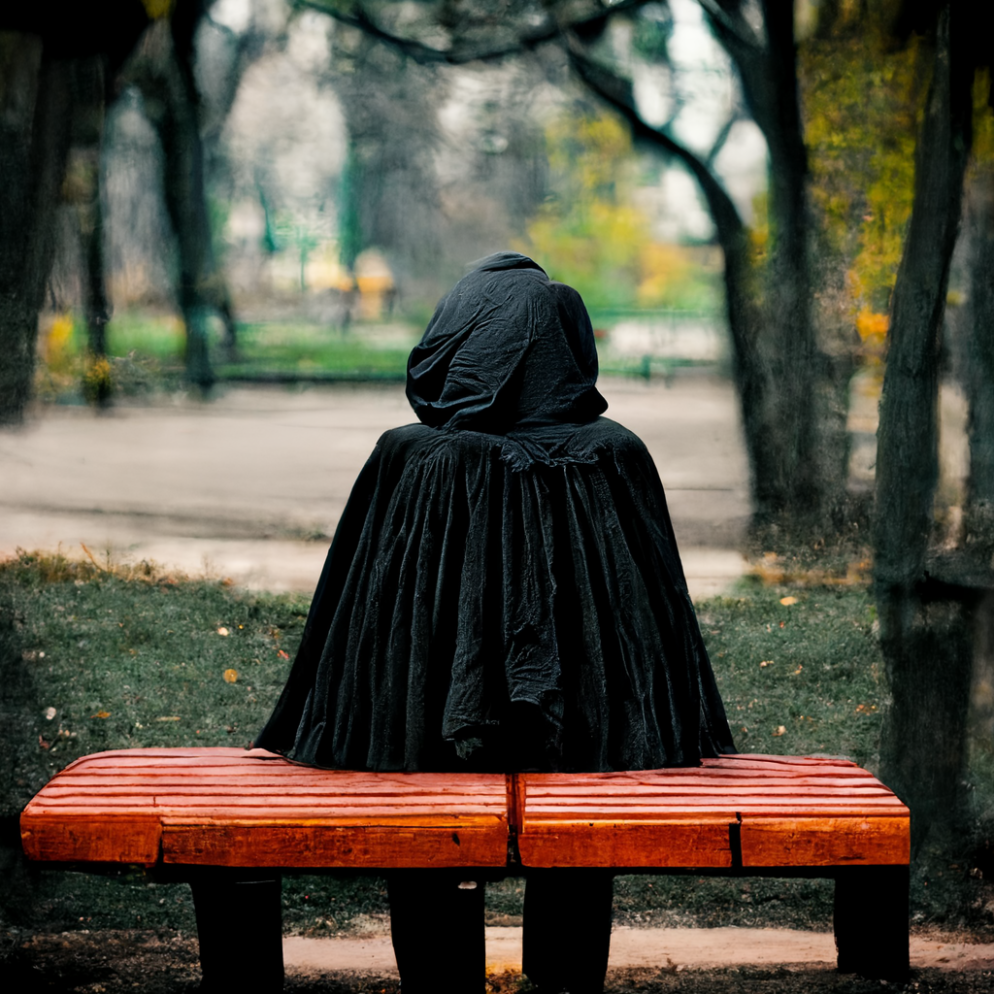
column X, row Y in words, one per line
column 234, row 807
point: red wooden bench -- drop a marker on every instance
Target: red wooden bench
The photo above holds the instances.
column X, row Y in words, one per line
column 227, row 818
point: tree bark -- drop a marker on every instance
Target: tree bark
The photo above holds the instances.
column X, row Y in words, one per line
column 925, row 622
column 791, row 477
column 34, row 143
column 977, row 366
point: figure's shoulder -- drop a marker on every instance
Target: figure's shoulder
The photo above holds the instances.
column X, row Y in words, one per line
column 603, row 433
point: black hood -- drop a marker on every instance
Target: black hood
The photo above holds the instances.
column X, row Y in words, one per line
column 506, row 349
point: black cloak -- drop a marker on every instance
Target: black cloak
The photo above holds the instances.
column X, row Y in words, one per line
column 504, row 589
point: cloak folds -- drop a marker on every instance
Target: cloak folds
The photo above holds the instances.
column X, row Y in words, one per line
column 503, row 590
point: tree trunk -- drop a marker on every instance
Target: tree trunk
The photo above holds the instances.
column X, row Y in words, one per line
column 171, row 106
column 925, row 623
column 34, row 143
column 791, row 486
column 977, row 375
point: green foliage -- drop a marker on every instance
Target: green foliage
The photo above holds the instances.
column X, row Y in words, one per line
column 591, row 236
column 862, row 102
column 349, row 224
column 651, row 32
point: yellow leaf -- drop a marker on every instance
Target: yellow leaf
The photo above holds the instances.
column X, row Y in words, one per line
column 230, row 676
column 787, row 601
column 781, row 730
column 101, row 714
column 765, row 663
column 169, row 717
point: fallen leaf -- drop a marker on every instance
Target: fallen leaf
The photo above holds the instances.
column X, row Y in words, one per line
column 787, row 601
column 101, row 714
column 781, row 730
column 230, row 676
column 282, row 654
column 50, row 713
column 800, row 666
column 169, row 717
column 43, row 743
column 765, row 663
column 222, row 631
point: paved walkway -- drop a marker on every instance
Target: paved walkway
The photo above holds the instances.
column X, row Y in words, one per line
column 656, row 948
column 252, row 484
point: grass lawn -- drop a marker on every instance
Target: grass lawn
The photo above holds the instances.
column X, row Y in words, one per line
column 94, row 659
column 146, row 355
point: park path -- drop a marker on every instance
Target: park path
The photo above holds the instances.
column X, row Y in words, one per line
column 251, row 485
column 674, row 949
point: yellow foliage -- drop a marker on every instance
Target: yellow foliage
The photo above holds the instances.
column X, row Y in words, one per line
column 157, row 9
column 661, row 267
column 872, row 329
column 871, row 325
column 98, row 379
column 58, row 342
column 862, row 105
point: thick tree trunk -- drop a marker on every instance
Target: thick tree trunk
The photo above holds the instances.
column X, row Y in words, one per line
column 34, row 142
column 925, row 624
column 791, row 486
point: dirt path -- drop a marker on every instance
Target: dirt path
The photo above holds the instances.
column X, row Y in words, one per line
column 648, row 961
column 643, row 948
column 251, row 485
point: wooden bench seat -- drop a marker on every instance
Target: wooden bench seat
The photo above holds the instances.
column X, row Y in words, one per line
column 195, row 809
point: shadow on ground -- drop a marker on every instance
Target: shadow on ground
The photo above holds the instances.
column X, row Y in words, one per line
column 166, row 963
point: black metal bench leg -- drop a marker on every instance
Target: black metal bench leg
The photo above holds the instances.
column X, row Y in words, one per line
column 871, row 921
column 240, row 926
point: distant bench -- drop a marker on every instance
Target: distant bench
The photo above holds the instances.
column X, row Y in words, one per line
column 230, row 821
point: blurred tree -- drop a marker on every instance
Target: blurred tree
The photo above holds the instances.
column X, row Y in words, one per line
column 388, row 194
column 59, row 67
column 52, row 55
column 930, row 600
column 586, row 225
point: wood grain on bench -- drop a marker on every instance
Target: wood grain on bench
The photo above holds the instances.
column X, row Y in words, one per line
column 745, row 810
column 229, row 807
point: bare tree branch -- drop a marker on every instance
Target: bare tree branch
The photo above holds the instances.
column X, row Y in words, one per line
column 734, row 30
column 722, row 137
column 618, row 92
column 458, row 55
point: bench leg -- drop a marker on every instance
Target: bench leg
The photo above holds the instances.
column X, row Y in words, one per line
column 437, row 930
column 871, row 921
column 240, row 927
column 567, row 928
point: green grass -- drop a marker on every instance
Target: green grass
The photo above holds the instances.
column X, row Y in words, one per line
column 314, row 349
column 145, row 352
column 132, row 657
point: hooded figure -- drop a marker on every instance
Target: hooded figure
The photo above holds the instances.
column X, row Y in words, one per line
column 503, row 593
column 504, row 590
